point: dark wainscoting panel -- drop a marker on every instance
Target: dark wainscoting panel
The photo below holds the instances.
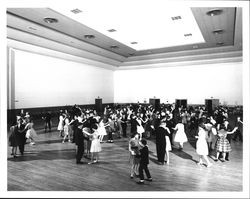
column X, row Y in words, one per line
column 37, row 113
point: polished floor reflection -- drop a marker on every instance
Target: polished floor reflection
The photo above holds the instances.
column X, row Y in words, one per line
column 50, row 166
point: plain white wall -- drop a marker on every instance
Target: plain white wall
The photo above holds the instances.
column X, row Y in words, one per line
column 195, row 83
column 42, row 81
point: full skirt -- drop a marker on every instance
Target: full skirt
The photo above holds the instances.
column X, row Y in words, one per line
column 13, row 140
column 223, row 145
column 168, row 144
column 140, row 129
column 102, row 131
column 180, row 136
column 60, row 126
column 31, row 133
column 66, row 130
column 201, row 147
column 95, row 146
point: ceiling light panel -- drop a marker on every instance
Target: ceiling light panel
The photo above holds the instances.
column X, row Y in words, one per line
column 153, row 25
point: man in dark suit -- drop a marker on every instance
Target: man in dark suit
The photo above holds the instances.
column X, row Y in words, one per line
column 161, row 132
column 78, row 140
column 144, row 162
column 47, row 121
column 20, row 131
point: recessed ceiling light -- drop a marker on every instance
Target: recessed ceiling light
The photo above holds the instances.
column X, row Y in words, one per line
column 114, row 47
column 111, row 30
column 89, row 36
column 31, row 28
column 50, row 20
column 214, row 12
column 195, row 46
column 188, row 35
column 220, row 43
column 76, row 11
column 134, row 42
column 218, row 31
column 176, row 18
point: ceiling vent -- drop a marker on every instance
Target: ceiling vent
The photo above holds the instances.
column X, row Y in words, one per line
column 89, row 36
column 214, row 12
column 188, row 35
column 111, row 30
column 76, row 11
column 134, row 42
column 218, row 31
column 114, row 47
column 176, row 18
column 31, row 28
column 50, row 20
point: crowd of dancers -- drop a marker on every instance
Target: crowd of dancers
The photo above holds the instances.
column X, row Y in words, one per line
column 171, row 127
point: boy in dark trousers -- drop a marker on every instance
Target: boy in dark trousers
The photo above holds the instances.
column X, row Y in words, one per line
column 144, row 162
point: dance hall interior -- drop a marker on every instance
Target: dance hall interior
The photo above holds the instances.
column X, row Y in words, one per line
column 127, row 97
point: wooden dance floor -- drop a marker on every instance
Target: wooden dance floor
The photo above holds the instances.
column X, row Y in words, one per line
column 50, row 166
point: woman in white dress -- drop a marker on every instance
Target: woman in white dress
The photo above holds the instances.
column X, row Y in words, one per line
column 30, row 133
column 201, row 145
column 211, row 133
column 66, row 129
column 60, row 124
column 180, row 135
column 95, row 145
column 168, row 145
column 140, row 128
column 102, row 131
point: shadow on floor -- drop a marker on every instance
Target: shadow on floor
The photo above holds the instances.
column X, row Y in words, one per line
column 182, row 154
column 65, row 154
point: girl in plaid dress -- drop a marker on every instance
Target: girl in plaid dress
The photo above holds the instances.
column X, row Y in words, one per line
column 222, row 145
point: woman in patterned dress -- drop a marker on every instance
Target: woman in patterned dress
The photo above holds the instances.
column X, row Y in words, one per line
column 222, row 144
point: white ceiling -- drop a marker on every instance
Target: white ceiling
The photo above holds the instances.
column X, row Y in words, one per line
column 154, row 26
column 145, row 24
